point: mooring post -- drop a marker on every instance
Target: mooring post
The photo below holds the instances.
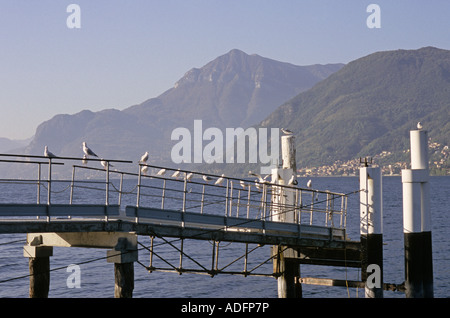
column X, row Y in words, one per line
column 39, row 266
column 123, row 256
column 417, row 220
column 283, row 210
column 371, row 229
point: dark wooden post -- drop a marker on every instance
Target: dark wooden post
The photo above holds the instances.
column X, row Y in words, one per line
column 124, row 277
column 39, row 265
column 123, row 256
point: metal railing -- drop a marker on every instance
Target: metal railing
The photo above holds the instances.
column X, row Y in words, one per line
column 183, row 190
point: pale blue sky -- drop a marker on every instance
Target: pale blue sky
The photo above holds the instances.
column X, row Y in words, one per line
column 130, row 51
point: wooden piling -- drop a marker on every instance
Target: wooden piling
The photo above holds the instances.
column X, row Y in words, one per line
column 287, row 264
column 39, row 276
column 39, row 266
column 124, row 280
column 123, row 256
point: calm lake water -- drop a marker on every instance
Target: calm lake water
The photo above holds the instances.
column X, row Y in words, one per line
column 97, row 277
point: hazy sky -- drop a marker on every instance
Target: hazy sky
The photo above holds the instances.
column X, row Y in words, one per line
column 131, row 50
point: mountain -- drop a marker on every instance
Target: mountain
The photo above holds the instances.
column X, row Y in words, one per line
column 234, row 90
column 10, row 144
column 369, row 106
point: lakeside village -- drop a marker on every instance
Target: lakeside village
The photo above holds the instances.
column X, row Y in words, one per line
column 391, row 164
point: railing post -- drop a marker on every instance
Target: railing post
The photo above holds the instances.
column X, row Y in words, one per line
column 203, row 198
column 39, row 184
column 107, row 183
column 230, row 207
column 120, row 189
column 139, row 187
column 163, row 195
column 226, row 197
column 49, row 193
column 72, row 185
column 49, row 187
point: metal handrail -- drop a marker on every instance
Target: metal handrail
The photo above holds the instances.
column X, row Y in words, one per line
column 255, row 200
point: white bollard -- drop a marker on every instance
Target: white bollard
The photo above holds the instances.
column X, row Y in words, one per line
column 371, row 228
column 417, row 220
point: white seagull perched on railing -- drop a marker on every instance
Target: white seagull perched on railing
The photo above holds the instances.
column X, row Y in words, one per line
column 293, row 181
column 88, row 151
column 48, row 154
column 144, row 157
column 188, row 176
column 176, row 174
column 244, row 185
column 419, row 125
column 161, row 172
column 260, row 178
column 207, row 179
column 309, row 183
column 105, row 164
column 220, row 180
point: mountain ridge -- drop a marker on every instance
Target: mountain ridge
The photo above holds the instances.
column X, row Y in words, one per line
column 370, row 105
column 222, row 93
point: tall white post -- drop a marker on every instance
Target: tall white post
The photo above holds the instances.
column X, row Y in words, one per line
column 284, row 202
column 417, row 220
column 371, row 228
column 283, row 210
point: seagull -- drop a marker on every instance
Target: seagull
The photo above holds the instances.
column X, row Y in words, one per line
column 260, row 178
column 286, row 131
column 48, row 154
column 144, row 170
column 207, row 178
column 309, row 183
column 244, row 185
column 88, row 151
column 220, row 180
column 105, row 164
column 188, row 177
column 293, row 181
column 161, row 172
column 419, row 125
column 144, row 157
column 176, row 174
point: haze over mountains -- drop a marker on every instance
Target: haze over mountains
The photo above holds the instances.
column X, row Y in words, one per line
column 234, row 90
column 336, row 111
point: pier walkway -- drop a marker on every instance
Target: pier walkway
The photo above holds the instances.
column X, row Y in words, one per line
column 184, row 206
column 162, row 202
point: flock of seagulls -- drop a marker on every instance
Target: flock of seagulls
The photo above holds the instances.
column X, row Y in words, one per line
column 259, row 181
column 87, row 152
